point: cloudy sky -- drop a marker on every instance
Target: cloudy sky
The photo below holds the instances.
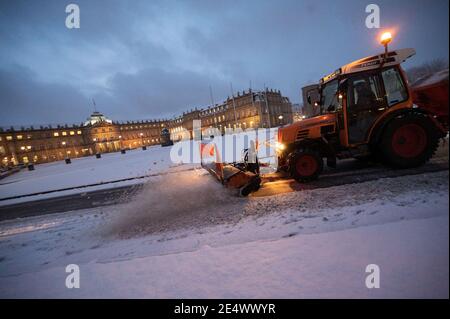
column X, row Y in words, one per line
column 155, row 59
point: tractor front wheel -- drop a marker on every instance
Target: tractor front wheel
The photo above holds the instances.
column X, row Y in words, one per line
column 305, row 165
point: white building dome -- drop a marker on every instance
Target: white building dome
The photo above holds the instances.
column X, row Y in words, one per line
column 95, row 118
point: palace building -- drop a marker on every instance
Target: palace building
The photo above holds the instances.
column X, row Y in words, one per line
column 98, row 134
column 246, row 110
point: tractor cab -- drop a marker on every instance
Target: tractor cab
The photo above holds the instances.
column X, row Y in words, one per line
column 362, row 92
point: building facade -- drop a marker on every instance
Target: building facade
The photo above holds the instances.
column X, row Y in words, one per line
column 246, row 110
column 99, row 134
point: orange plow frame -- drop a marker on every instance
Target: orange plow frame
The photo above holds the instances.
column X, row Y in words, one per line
column 233, row 175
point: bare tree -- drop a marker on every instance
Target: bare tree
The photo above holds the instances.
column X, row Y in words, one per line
column 426, row 69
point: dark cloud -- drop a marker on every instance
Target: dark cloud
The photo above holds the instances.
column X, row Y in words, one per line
column 156, row 93
column 142, row 59
column 24, row 100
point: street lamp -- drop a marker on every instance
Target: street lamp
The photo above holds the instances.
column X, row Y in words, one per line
column 144, row 147
column 120, row 142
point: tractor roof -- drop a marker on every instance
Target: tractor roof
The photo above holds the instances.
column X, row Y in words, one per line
column 370, row 63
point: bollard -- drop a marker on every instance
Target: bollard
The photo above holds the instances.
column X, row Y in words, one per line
column 144, row 148
column 31, row 167
column 98, row 155
column 68, row 161
column 123, row 151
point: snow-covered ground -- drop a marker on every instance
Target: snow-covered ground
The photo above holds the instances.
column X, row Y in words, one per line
column 188, row 238
column 86, row 171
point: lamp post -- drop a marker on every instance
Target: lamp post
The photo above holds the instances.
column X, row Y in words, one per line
column 144, row 147
column 122, row 150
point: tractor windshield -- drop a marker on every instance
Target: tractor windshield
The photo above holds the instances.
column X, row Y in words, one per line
column 328, row 98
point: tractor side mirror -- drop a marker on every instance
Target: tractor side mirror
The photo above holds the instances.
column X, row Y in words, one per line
column 311, row 94
column 315, row 101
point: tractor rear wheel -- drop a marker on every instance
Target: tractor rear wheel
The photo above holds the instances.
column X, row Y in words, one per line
column 305, row 165
column 408, row 142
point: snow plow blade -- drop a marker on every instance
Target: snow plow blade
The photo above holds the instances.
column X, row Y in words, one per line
column 235, row 175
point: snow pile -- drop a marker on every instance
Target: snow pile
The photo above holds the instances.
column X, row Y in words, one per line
column 167, row 200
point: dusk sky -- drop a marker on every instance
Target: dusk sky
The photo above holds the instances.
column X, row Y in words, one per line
column 156, row 59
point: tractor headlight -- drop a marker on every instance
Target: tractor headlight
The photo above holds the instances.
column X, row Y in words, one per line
column 280, row 146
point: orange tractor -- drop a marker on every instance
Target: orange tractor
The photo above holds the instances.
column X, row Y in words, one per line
column 367, row 110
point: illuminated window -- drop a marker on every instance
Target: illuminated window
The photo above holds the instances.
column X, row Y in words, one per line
column 25, row 159
column 22, row 148
column 63, row 143
column 28, row 147
column 72, row 133
column 19, row 137
column 64, row 133
column 79, row 132
column 56, row 134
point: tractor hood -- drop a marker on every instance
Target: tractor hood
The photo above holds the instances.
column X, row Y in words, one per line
column 305, row 128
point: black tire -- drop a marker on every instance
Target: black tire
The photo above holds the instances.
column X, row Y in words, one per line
column 253, row 186
column 408, row 141
column 305, row 165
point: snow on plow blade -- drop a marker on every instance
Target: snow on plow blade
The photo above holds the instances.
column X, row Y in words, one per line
column 239, row 176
